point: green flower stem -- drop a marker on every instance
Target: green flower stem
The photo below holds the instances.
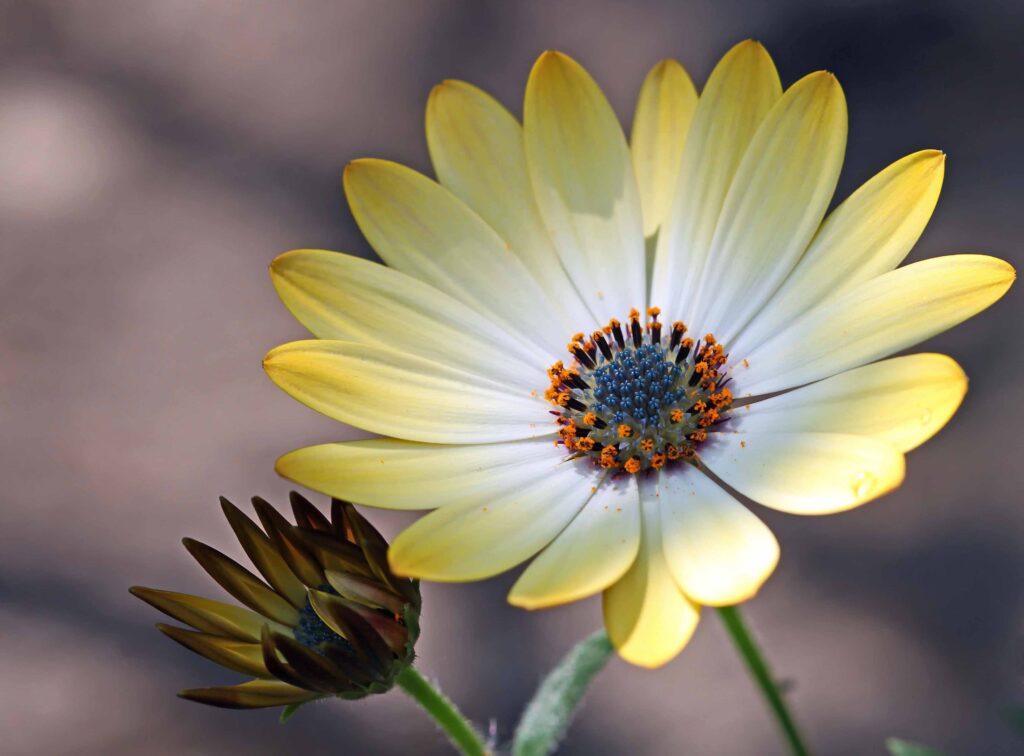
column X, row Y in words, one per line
column 758, row 668
column 458, row 729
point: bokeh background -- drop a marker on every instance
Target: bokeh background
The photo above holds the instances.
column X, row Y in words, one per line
column 154, row 157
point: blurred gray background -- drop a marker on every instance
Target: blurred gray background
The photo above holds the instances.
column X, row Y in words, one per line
column 155, row 156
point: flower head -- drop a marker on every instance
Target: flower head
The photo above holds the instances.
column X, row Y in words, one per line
column 582, row 347
column 330, row 619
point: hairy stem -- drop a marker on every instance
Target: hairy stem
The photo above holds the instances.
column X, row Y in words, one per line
column 447, row 716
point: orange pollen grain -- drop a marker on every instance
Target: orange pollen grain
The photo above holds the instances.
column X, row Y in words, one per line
column 647, row 445
column 708, row 418
column 676, row 416
column 585, row 444
column 624, row 431
column 632, row 465
column 590, row 418
column 658, row 461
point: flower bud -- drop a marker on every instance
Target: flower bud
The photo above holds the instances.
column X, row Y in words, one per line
column 329, row 618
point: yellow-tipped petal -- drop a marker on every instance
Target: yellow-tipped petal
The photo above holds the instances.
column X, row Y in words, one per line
column 394, row 474
column 208, row 615
column 395, row 394
column 338, row 296
column 874, row 319
column 805, row 473
column 479, row 539
column 240, row 656
column 903, row 401
column 647, row 617
column 867, row 235
column 422, row 229
column 255, row 694
column 777, row 199
column 739, row 93
column 717, row 550
column 265, row 556
column 594, row 551
column 583, row 180
column 242, row 584
column 663, row 114
column 477, row 150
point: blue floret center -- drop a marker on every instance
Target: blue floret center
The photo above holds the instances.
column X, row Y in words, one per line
column 638, row 384
column 311, row 631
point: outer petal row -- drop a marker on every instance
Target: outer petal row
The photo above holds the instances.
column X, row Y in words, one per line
column 422, row 229
column 477, row 150
column 647, row 616
column 338, row 296
column 872, row 320
column 663, row 114
column 903, row 401
column 596, row 548
column 738, row 94
column 867, row 235
column 477, row 539
column 717, row 550
column 777, row 199
column 393, row 474
column 389, row 392
column 805, row 473
column 583, row 180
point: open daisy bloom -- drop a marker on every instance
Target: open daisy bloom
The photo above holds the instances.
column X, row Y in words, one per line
column 692, row 273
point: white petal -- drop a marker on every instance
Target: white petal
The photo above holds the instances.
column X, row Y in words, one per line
column 590, row 554
column 647, row 617
column 477, row 149
column 904, row 401
column 739, row 93
column 867, row 235
column 663, row 114
column 583, row 180
column 777, row 199
column 393, row 474
column 804, row 473
column 395, row 394
column 477, row 539
column 872, row 320
column 717, row 550
column 422, row 229
column 338, row 296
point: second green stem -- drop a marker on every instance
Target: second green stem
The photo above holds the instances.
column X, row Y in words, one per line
column 752, row 657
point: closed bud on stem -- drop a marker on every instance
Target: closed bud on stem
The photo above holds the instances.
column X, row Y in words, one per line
column 328, row 617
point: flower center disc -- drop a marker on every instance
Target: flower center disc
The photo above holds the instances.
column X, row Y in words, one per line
column 635, row 399
column 312, row 632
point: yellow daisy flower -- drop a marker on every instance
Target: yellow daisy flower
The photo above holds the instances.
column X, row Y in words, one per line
column 691, row 271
